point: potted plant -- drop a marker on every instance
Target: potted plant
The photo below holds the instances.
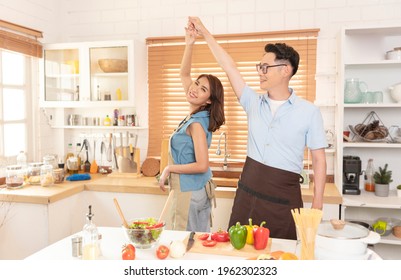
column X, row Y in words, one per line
column 383, row 178
column 399, row 190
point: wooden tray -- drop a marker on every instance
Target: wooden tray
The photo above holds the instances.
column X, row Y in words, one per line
column 226, row 249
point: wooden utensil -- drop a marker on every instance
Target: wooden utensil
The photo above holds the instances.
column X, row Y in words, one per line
column 120, row 213
column 166, row 206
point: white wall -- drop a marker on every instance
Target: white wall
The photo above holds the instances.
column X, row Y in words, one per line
column 87, row 20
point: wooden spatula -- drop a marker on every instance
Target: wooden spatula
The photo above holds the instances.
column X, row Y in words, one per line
column 120, row 213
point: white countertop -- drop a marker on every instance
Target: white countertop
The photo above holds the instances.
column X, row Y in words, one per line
column 113, row 239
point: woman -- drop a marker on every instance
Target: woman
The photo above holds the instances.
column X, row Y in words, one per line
column 188, row 169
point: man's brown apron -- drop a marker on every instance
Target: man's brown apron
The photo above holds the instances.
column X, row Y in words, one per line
column 267, row 194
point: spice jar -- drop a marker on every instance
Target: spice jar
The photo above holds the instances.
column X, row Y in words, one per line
column 58, row 175
column 46, row 175
column 15, row 176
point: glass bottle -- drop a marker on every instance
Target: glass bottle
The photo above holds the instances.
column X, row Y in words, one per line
column 78, row 150
column 69, row 154
column 90, row 238
column 21, row 159
column 107, row 121
column 369, row 180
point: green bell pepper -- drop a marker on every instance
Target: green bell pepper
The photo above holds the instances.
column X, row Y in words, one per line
column 238, row 235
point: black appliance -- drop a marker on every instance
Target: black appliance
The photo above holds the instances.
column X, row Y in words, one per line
column 351, row 172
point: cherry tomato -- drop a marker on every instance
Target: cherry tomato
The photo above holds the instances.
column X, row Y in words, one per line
column 128, row 252
column 220, row 236
column 203, row 236
column 209, row 243
column 162, row 252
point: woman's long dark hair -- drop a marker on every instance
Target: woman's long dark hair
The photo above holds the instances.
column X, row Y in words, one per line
column 216, row 108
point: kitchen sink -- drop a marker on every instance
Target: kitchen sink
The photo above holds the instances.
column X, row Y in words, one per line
column 232, row 170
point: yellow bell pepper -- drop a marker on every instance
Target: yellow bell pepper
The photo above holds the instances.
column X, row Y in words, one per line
column 249, row 236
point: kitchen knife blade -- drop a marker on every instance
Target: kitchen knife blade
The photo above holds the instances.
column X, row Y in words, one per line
column 191, row 241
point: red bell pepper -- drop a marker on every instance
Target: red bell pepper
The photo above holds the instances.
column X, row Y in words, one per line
column 261, row 237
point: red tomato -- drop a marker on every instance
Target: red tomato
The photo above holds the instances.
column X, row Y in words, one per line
column 209, row 243
column 221, row 236
column 128, row 252
column 162, row 252
column 203, row 236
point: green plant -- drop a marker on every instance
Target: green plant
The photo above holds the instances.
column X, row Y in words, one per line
column 399, row 187
column 383, row 176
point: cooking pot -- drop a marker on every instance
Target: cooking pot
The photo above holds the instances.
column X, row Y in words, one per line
column 348, row 243
column 395, row 92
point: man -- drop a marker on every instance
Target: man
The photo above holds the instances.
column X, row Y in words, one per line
column 280, row 125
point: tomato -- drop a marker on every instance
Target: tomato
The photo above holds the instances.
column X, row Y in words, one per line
column 203, row 236
column 162, row 252
column 209, row 243
column 128, row 252
column 220, row 236
column 158, row 225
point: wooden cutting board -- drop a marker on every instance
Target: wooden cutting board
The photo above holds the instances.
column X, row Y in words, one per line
column 226, row 249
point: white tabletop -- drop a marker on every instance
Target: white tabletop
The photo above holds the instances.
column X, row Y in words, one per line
column 113, row 238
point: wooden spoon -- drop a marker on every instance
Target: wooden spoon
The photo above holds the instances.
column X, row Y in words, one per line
column 166, row 206
column 120, row 213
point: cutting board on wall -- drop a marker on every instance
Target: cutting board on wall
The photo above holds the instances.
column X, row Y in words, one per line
column 226, row 249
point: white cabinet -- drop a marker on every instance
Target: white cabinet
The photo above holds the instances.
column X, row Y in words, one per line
column 362, row 56
column 89, row 79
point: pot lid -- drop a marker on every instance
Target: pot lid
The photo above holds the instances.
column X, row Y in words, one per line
column 350, row 231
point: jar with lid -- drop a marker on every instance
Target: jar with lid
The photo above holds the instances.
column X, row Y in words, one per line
column 369, row 180
column 15, row 176
column 51, row 160
column 46, row 175
column 34, row 169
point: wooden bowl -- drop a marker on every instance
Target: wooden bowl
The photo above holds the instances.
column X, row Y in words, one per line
column 113, row 65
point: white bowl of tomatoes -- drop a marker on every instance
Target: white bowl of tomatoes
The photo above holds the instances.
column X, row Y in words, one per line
column 144, row 233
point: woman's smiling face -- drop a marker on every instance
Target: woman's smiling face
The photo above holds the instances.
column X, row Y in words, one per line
column 199, row 92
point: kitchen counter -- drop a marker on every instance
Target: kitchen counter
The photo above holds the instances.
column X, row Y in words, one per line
column 59, row 210
column 130, row 183
column 113, row 238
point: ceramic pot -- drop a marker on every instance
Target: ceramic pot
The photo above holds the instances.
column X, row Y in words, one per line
column 399, row 192
column 349, row 243
column 395, row 92
column 382, row 189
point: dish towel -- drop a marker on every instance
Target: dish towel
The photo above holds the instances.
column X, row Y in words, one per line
column 78, row 177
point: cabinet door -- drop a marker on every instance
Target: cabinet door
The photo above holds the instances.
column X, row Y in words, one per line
column 61, row 75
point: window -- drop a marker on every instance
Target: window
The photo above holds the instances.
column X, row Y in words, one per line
column 167, row 103
column 19, row 50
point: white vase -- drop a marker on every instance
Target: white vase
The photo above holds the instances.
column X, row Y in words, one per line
column 382, row 189
column 399, row 192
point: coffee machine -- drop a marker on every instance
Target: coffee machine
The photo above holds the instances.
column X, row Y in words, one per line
column 351, row 172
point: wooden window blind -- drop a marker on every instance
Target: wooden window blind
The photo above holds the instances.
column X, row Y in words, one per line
column 20, row 39
column 167, row 102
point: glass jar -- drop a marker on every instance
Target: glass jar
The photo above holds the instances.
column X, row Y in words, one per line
column 34, row 168
column 51, row 160
column 46, row 175
column 15, row 176
column 58, row 175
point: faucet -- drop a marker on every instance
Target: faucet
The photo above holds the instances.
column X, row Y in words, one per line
column 218, row 151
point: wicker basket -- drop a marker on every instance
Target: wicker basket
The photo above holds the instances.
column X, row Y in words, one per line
column 113, row 65
column 397, row 231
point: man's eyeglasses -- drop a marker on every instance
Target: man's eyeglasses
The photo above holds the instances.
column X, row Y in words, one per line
column 265, row 67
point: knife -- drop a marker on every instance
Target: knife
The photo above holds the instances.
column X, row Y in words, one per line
column 191, row 241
